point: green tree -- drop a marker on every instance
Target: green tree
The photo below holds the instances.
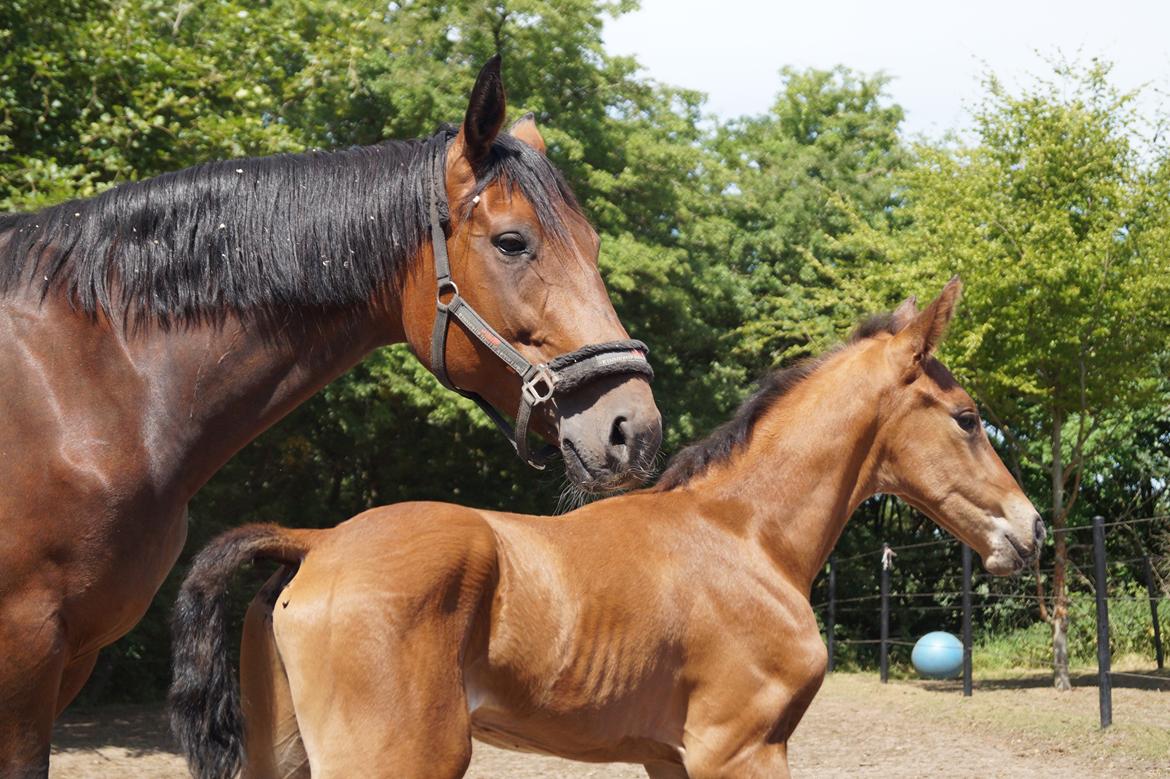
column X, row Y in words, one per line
column 824, row 155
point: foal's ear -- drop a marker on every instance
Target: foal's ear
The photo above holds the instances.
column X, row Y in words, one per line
column 904, row 314
column 524, row 129
column 922, row 335
column 485, row 113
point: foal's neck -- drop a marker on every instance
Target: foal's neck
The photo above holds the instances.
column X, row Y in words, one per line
column 810, row 462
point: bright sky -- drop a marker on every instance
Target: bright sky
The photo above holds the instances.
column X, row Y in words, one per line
column 936, row 51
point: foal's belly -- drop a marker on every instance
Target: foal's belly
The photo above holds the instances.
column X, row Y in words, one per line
column 567, row 738
column 618, row 731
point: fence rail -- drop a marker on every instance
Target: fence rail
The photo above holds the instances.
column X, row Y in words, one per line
column 885, row 555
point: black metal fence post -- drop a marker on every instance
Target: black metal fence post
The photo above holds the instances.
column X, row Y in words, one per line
column 966, row 621
column 1154, row 613
column 885, row 642
column 1104, row 683
column 831, row 623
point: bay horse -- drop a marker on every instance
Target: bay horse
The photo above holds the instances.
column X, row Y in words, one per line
column 149, row 333
column 669, row 627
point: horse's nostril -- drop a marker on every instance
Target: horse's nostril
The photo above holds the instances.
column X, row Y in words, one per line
column 619, row 434
column 1039, row 531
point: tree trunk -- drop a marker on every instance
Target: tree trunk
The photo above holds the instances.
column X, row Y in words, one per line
column 1060, row 614
column 1060, row 564
column 1060, row 648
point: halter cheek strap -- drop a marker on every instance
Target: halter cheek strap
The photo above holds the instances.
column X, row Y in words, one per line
column 539, row 382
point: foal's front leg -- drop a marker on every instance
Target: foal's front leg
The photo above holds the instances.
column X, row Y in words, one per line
column 739, row 732
column 767, row 761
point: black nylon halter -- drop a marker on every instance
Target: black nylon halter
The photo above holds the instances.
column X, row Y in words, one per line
column 539, row 382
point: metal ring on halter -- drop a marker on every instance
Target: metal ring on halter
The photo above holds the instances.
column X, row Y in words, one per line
column 446, row 286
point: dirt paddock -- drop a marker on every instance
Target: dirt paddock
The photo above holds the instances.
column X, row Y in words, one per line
column 1017, row 727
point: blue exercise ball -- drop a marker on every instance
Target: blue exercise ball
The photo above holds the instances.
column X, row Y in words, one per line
column 938, row 655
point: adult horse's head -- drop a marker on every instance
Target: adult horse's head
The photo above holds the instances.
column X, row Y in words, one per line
column 937, row 455
column 512, row 309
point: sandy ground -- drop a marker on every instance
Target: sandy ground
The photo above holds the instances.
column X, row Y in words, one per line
column 1017, row 727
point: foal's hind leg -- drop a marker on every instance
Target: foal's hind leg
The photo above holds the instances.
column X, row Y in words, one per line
column 273, row 746
column 400, row 715
column 373, row 638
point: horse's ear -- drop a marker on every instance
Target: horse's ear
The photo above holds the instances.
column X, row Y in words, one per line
column 524, row 129
column 904, row 314
column 925, row 331
column 485, row 113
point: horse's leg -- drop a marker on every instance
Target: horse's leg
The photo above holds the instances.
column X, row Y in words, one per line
column 374, row 632
column 32, row 659
column 74, row 677
column 273, row 746
column 665, row 771
column 397, row 709
column 770, row 761
column 765, row 761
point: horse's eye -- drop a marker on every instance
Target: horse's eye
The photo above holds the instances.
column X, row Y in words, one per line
column 968, row 421
column 511, row 244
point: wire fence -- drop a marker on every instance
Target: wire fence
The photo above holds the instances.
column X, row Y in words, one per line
column 963, row 601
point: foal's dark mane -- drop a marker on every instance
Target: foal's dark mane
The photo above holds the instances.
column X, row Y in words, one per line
column 319, row 229
column 725, row 440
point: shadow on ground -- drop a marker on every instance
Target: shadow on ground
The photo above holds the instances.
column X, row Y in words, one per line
column 1157, row 680
column 139, row 729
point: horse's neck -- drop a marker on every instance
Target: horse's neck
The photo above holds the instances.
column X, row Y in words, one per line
column 810, row 462
column 212, row 389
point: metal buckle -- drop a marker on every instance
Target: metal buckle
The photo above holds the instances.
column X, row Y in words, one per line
column 446, row 286
column 532, row 387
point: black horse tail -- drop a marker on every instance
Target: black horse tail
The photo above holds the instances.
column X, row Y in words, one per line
column 204, row 698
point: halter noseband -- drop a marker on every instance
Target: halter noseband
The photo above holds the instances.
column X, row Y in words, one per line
column 539, row 383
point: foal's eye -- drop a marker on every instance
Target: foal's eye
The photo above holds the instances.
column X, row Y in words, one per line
column 968, row 421
column 511, row 244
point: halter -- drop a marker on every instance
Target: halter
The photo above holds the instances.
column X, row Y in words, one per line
column 541, row 382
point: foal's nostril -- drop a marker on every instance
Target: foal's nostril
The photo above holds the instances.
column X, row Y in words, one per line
column 619, row 434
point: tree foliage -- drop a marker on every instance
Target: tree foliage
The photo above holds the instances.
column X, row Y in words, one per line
column 825, row 154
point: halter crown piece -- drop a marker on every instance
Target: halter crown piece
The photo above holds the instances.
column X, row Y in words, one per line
column 540, row 383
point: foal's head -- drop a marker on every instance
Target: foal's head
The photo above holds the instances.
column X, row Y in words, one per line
column 524, row 256
column 933, row 447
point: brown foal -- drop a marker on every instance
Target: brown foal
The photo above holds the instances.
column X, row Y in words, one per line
column 148, row 334
column 669, row 627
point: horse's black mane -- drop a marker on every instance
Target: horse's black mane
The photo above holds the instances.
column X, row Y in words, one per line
column 319, row 229
column 694, row 460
